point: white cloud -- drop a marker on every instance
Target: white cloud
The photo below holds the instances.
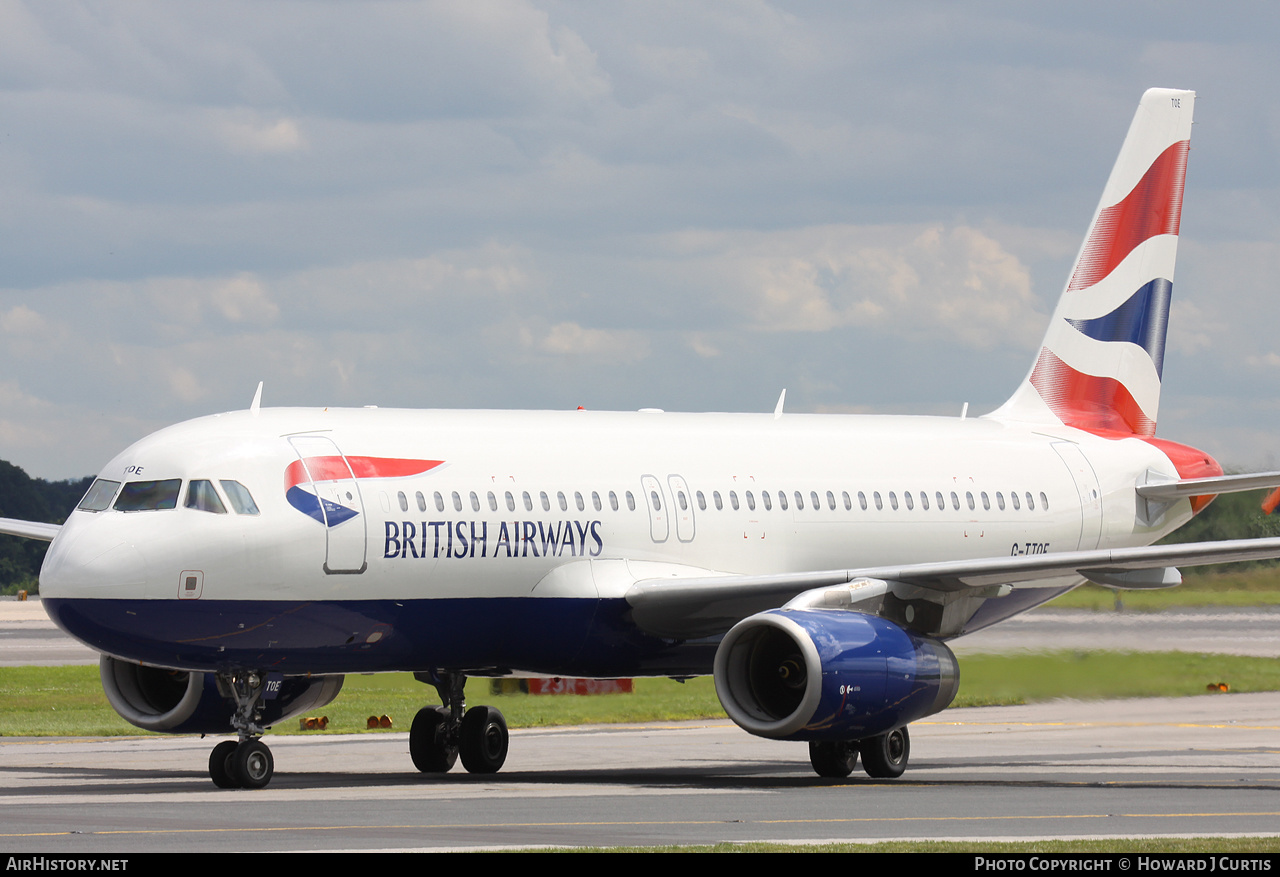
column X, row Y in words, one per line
column 253, row 135
column 572, row 340
column 929, row 281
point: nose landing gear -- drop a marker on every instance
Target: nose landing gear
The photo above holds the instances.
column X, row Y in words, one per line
column 245, row 763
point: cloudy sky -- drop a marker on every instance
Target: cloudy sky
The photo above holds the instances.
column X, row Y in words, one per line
column 549, row 204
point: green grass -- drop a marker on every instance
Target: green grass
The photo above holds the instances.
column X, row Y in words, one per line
column 987, row 680
column 68, row 701
column 1245, row 588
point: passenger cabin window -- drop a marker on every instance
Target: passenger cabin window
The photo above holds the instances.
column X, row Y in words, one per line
column 403, row 500
column 146, row 496
column 203, row 498
column 240, row 498
column 98, row 496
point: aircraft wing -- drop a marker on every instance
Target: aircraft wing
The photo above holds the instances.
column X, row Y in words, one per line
column 694, row 606
column 29, row 529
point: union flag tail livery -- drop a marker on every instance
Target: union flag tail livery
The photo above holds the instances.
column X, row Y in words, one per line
column 1100, row 365
column 815, row 564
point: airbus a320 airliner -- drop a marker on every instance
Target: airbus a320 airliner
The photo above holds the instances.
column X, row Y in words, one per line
column 232, row 568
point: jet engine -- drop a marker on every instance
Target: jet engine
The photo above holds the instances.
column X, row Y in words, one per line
column 825, row 675
column 190, row 703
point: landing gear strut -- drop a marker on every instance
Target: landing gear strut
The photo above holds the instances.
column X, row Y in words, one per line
column 440, row 734
column 245, row 763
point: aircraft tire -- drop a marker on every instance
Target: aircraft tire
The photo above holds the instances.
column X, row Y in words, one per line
column 885, row 756
column 833, row 758
column 483, row 740
column 220, row 767
column 428, row 751
column 252, row 764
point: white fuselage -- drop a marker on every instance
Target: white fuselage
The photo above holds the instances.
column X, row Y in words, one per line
column 519, row 506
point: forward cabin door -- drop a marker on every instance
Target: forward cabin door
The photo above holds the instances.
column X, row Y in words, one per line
column 328, row 475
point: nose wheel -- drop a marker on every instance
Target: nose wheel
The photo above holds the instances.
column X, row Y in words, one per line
column 245, row 763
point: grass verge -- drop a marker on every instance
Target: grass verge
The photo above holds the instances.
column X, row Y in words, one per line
column 68, row 701
column 1235, row 589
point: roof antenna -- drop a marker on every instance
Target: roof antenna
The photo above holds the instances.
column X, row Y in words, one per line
column 777, row 411
column 257, row 400
column 964, row 412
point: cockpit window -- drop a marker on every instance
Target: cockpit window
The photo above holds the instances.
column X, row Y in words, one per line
column 98, row 497
column 139, row 496
column 202, row 497
column 241, row 499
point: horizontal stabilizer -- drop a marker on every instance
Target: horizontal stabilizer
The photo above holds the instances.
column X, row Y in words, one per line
column 1169, row 490
column 29, row 529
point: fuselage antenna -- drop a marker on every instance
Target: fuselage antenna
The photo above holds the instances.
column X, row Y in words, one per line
column 257, row 400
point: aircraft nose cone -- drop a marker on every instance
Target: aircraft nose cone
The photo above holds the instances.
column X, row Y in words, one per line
column 82, row 563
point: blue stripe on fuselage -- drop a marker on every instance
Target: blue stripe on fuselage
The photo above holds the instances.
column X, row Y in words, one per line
column 551, row 636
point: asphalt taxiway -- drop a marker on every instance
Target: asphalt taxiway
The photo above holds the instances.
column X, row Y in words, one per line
column 1187, row 766
column 1205, row 765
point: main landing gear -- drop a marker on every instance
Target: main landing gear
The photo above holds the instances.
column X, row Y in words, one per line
column 245, row 763
column 884, row 756
column 441, row 733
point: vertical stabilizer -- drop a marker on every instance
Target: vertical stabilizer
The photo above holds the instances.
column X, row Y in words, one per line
column 1099, row 367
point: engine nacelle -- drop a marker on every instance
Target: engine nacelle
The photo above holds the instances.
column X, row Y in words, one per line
column 814, row 674
column 189, row 703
